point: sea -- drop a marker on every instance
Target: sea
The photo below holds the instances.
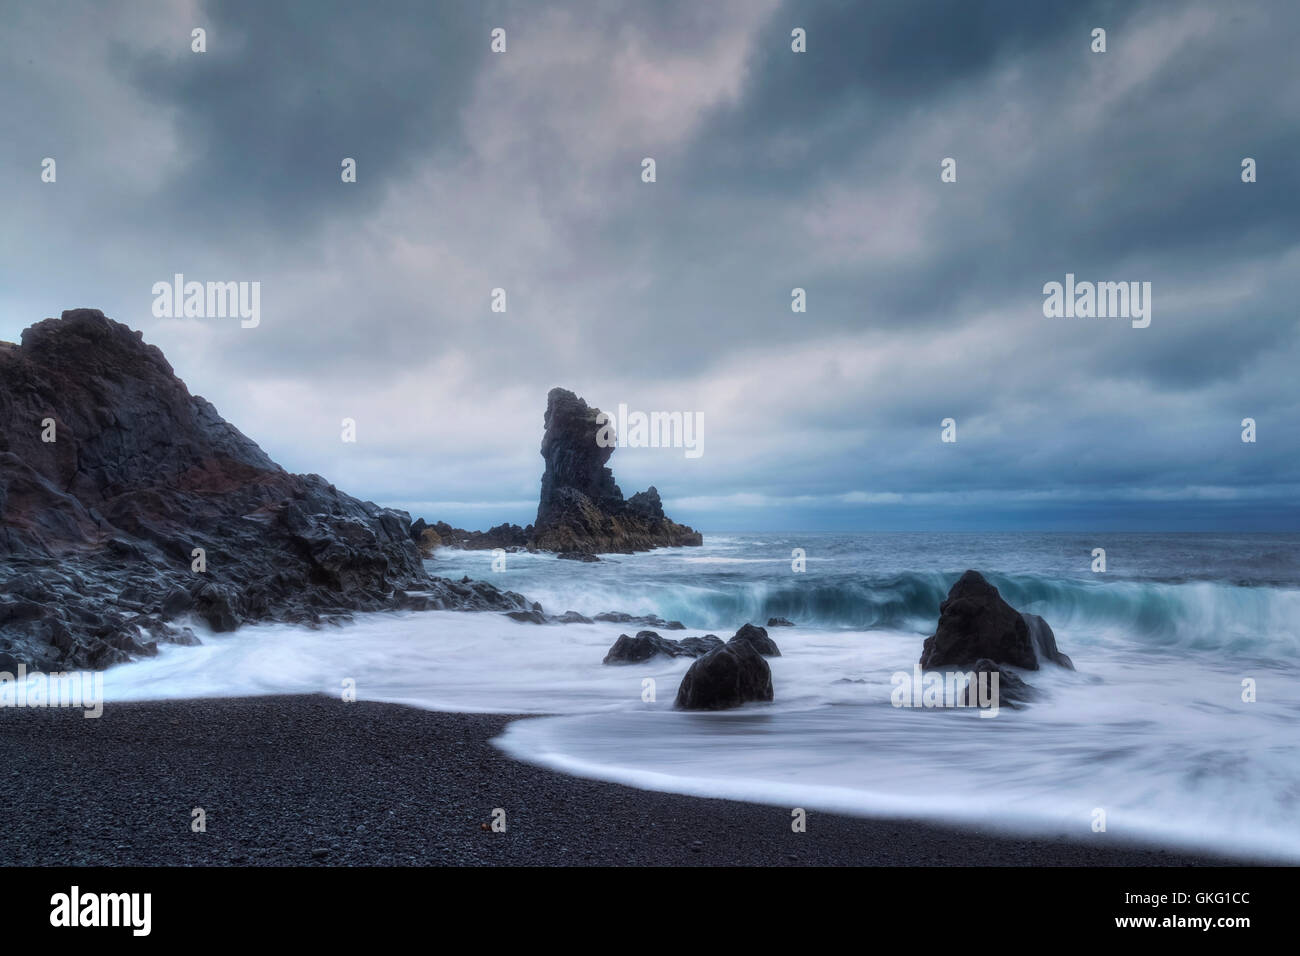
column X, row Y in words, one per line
column 1179, row 726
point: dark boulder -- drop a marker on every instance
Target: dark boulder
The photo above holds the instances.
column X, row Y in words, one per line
column 699, row 646
column 176, row 602
column 647, row 644
column 779, row 622
column 756, row 637
column 527, row 617
column 1011, row 690
column 726, row 677
column 647, row 620
column 974, row 623
column 634, row 650
column 213, row 605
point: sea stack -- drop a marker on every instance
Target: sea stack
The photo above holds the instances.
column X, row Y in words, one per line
column 582, row 509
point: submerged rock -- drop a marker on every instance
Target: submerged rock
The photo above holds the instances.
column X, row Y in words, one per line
column 1045, row 641
column 647, row 644
column 726, row 677
column 1011, row 690
column 527, row 617
column 779, row 622
column 647, row 620
column 520, row 610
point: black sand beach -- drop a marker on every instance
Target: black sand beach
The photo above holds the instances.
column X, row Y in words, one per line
column 303, row 780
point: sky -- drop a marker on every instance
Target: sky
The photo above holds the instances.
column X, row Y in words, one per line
column 821, row 170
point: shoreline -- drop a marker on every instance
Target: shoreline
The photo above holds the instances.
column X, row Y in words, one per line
column 309, row 780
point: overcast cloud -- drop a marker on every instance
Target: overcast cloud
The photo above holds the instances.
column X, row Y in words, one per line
column 819, row 170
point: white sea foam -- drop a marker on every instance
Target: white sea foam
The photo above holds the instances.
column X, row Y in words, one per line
column 1161, row 741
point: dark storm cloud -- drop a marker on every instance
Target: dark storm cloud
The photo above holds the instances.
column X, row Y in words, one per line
column 775, row 170
column 287, row 90
column 1153, row 186
column 868, row 65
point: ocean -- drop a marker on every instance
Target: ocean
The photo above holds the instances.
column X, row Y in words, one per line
column 1154, row 736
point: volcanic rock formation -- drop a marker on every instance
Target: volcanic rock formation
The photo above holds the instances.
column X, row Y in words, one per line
column 582, row 510
column 126, row 503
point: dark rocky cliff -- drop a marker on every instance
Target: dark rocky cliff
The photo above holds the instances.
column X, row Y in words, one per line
column 98, row 527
